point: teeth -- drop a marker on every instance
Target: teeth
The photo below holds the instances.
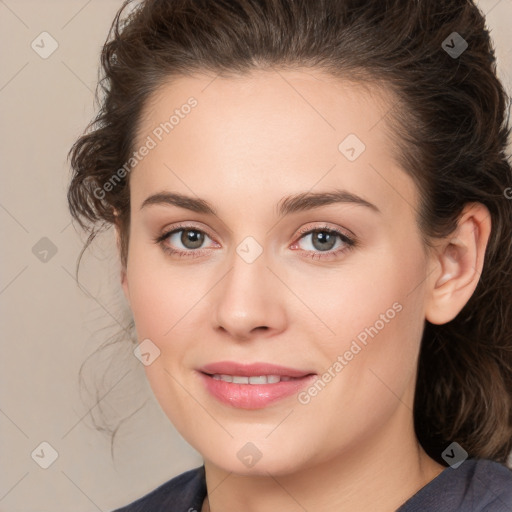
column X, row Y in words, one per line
column 261, row 379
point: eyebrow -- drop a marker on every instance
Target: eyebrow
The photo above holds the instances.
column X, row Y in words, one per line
column 287, row 205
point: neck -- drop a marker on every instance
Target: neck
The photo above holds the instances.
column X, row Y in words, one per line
column 379, row 474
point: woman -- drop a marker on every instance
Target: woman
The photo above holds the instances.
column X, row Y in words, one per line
column 313, row 215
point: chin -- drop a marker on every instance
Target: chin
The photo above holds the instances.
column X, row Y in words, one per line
column 253, row 459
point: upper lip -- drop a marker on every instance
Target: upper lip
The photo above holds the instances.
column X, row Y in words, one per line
column 251, row 370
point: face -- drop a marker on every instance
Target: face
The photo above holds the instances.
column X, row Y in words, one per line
column 297, row 247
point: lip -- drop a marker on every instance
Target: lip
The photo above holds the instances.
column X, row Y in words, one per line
column 253, row 369
column 253, row 396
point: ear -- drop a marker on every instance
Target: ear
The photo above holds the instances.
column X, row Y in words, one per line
column 123, row 274
column 458, row 265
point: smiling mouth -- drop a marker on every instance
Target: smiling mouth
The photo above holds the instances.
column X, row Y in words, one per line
column 254, row 380
column 257, row 390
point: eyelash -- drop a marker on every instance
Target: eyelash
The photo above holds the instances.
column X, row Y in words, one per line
column 349, row 243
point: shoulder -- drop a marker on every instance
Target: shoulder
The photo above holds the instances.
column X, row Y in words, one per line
column 479, row 485
column 181, row 493
column 493, row 481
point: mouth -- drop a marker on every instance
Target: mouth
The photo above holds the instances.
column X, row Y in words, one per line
column 255, row 379
column 253, row 386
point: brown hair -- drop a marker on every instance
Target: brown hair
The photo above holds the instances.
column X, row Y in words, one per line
column 449, row 118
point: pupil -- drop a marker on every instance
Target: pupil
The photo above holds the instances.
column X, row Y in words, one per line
column 324, row 238
column 192, row 239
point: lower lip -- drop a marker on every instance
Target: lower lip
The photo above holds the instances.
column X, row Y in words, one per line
column 253, row 396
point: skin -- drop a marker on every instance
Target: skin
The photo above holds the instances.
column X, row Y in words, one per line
column 250, row 142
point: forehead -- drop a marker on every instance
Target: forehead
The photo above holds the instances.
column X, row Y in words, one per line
column 287, row 131
column 272, row 98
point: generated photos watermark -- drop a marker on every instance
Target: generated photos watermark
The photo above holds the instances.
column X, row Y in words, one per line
column 357, row 345
column 151, row 142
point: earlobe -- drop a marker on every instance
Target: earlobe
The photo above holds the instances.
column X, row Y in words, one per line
column 459, row 263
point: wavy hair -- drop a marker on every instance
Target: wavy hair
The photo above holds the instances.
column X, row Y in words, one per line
column 449, row 118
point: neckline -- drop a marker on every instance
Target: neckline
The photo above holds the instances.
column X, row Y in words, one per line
column 410, row 501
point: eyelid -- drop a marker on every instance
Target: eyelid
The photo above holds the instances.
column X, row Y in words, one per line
column 166, row 232
column 347, row 237
column 326, row 227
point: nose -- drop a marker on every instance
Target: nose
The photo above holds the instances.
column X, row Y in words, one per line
column 249, row 301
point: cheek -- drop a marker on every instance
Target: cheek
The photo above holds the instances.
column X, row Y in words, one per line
column 376, row 294
column 161, row 301
column 161, row 295
column 376, row 313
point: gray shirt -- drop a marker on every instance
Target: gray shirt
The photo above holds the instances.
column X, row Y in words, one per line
column 478, row 485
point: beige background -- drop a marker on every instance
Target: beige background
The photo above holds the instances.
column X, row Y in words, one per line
column 49, row 325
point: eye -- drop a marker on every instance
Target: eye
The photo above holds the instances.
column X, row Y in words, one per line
column 189, row 238
column 323, row 240
column 183, row 241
